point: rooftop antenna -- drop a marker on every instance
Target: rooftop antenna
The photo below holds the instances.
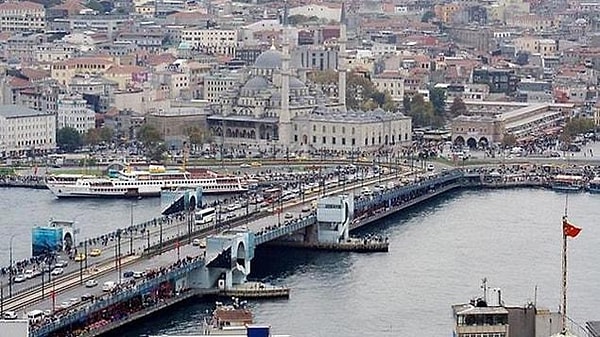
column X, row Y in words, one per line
column 485, row 288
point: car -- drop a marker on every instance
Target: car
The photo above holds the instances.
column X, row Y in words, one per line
column 230, row 216
column 9, row 315
column 80, row 257
column 244, row 165
column 430, row 167
column 19, row 278
column 128, row 273
column 289, row 215
column 74, row 301
column 256, row 164
column 36, row 273
column 65, row 304
column 108, row 286
column 305, row 209
column 138, row 274
column 91, row 283
column 61, row 264
column 29, row 274
column 95, row 252
column 57, row 271
column 196, row 242
column 87, row 297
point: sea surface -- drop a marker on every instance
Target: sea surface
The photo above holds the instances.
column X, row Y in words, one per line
column 439, row 252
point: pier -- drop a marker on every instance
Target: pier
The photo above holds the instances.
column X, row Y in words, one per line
column 171, row 270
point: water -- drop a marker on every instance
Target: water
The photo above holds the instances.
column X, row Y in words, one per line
column 439, row 252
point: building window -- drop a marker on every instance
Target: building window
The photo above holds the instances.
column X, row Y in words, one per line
column 366, row 141
column 353, row 141
column 352, row 130
column 314, row 139
column 333, row 129
column 324, row 129
column 332, row 140
column 314, row 128
column 372, row 140
column 343, row 130
column 324, row 140
column 295, row 138
column 343, row 141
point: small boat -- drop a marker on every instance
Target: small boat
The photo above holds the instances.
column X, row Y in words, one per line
column 567, row 183
column 233, row 320
column 594, row 185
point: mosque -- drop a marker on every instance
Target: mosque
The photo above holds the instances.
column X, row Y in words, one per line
column 277, row 106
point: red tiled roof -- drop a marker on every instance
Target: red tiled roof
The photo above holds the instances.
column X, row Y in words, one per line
column 35, row 74
column 16, row 82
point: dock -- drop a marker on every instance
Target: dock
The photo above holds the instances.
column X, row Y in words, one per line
column 256, row 290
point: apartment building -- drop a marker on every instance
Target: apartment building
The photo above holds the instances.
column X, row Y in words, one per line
column 26, row 130
column 22, row 16
column 212, row 41
column 73, row 112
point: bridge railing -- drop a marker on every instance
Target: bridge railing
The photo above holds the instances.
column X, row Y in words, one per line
column 101, row 303
column 407, row 189
column 286, row 228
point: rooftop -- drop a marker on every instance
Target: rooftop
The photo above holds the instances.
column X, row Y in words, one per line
column 15, row 111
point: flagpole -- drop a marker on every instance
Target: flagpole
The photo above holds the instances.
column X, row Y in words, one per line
column 564, row 280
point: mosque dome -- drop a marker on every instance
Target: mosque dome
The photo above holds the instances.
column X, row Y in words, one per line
column 270, row 59
column 256, row 83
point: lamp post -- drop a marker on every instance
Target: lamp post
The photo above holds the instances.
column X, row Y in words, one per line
column 10, row 271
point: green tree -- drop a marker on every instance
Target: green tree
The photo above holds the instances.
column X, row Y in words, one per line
column 406, row 103
column 427, row 16
column 388, row 103
column 106, row 134
column 92, row 137
column 148, row 135
column 421, row 111
column 458, row 107
column 68, row 139
column 95, row 5
column 437, row 97
column 508, row 140
column 578, row 125
column 196, row 135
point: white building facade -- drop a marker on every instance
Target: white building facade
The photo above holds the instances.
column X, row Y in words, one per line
column 25, row 130
column 214, row 41
column 72, row 111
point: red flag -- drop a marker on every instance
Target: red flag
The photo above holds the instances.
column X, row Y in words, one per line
column 570, row 230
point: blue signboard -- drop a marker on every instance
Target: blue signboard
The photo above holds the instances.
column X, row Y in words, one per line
column 45, row 240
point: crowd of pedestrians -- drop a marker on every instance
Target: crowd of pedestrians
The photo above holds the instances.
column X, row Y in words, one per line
column 123, row 309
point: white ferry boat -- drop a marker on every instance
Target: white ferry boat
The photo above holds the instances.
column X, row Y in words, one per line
column 139, row 183
column 594, row 185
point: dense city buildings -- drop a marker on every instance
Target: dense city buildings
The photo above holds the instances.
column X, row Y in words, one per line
column 277, row 73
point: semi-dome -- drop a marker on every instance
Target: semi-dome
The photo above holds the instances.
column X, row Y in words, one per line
column 270, row 59
column 295, row 83
column 256, row 83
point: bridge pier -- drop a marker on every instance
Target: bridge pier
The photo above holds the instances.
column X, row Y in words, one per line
column 228, row 257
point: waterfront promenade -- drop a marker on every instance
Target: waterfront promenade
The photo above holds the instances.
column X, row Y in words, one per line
column 420, row 190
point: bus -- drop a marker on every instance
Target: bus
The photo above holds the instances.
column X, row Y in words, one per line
column 272, row 194
column 205, row 216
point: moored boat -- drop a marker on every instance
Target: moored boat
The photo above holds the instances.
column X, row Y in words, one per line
column 594, row 185
column 130, row 182
column 567, row 183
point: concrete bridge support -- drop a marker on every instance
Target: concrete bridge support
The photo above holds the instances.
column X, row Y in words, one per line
column 228, row 257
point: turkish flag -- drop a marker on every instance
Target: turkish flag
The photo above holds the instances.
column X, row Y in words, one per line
column 570, row 230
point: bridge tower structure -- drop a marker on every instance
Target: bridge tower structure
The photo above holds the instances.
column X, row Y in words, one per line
column 228, row 257
column 334, row 217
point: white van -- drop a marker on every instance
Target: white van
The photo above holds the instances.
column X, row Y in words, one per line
column 108, row 286
column 35, row 316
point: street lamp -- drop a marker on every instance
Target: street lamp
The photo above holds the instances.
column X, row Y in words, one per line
column 10, row 271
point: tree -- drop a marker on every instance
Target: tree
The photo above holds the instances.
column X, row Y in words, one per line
column 406, row 103
column 458, row 107
column 95, row 5
column 92, row 137
column 196, row 135
column 508, row 140
column 577, row 125
column 421, row 111
column 68, row 139
column 106, row 134
column 148, row 135
column 437, row 97
column 427, row 16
